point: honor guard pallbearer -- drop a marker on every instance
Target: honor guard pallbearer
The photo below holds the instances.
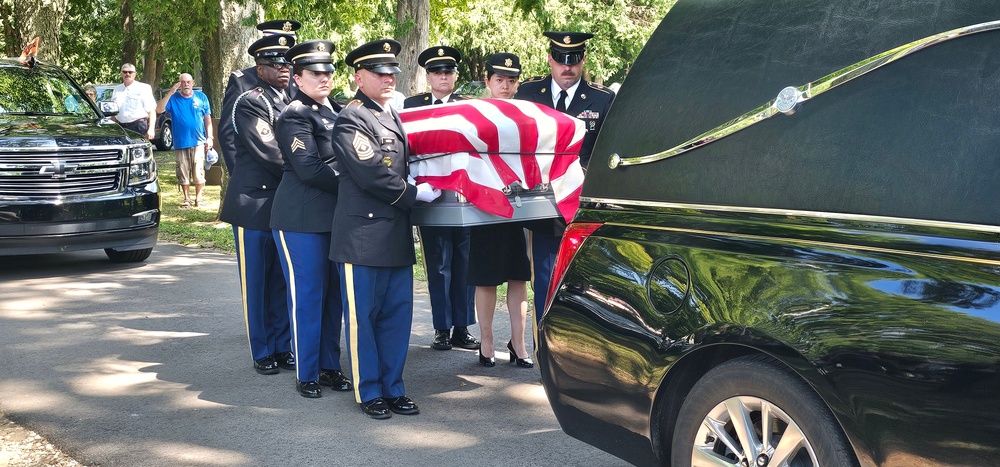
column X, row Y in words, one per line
column 372, row 239
column 241, row 81
column 247, row 206
column 446, row 249
column 564, row 90
column 301, row 220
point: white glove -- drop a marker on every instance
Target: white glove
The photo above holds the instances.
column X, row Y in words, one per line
column 427, row 193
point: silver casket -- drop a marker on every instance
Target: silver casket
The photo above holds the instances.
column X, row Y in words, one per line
column 452, row 209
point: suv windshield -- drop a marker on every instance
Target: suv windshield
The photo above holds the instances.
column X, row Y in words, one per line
column 37, row 91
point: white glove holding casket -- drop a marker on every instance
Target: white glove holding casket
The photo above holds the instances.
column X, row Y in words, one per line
column 427, row 193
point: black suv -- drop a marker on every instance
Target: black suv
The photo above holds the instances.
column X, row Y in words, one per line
column 788, row 246
column 70, row 178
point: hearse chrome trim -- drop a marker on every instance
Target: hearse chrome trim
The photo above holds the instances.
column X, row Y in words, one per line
column 794, row 213
column 790, row 98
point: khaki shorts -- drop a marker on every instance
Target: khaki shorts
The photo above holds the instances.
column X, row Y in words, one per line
column 190, row 165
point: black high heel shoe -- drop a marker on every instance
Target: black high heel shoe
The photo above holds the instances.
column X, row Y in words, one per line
column 492, row 361
column 525, row 362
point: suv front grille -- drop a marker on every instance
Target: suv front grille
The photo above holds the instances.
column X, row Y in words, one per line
column 40, row 174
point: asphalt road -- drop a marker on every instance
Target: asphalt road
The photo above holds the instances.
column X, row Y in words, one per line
column 147, row 364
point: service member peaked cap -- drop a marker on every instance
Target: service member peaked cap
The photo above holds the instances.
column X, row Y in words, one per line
column 440, row 58
column 567, row 47
column 504, row 64
column 312, row 55
column 376, row 56
column 279, row 26
column 272, row 48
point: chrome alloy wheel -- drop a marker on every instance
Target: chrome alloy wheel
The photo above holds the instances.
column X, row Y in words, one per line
column 750, row 432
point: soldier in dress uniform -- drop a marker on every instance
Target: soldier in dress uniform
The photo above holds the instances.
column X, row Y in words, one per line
column 302, row 217
column 446, row 249
column 372, row 235
column 564, row 90
column 241, row 81
column 247, row 206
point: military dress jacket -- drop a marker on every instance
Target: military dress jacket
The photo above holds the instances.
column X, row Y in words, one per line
column 371, row 225
column 240, row 81
column 590, row 104
column 307, row 194
column 420, row 100
column 258, row 164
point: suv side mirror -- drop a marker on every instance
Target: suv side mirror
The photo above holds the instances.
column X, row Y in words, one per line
column 108, row 108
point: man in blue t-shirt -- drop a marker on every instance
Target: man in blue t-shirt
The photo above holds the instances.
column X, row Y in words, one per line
column 191, row 122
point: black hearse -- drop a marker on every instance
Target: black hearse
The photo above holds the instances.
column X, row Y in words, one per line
column 787, row 250
column 70, row 178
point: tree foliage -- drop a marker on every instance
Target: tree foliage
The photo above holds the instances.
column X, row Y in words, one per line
column 172, row 37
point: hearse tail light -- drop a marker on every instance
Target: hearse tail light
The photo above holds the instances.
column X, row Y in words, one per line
column 573, row 237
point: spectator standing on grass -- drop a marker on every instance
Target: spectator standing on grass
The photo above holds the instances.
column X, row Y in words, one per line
column 191, row 122
column 136, row 104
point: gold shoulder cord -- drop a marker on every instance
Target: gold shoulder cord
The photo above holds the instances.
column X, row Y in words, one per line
column 791, row 97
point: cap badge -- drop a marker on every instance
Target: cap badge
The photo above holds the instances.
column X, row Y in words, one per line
column 567, row 40
column 282, row 40
column 321, row 47
column 440, row 52
column 386, row 47
column 287, row 26
column 508, row 62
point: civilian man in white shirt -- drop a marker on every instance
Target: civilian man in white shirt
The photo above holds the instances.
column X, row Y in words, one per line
column 136, row 104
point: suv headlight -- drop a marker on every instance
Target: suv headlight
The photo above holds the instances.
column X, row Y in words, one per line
column 142, row 166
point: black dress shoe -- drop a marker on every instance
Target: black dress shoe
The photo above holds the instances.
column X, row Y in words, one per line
column 376, row 408
column 335, row 379
column 492, row 361
column 460, row 337
column 285, row 360
column 402, row 405
column 266, row 366
column 441, row 340
column 309, row 389
column 525, row 362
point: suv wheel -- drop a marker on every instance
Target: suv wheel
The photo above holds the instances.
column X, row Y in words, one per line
column 166, row 141
column 751, row 412
column 128, row 256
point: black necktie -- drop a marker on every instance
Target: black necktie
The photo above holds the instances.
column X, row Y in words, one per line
column 561, row 103
column 438, row 101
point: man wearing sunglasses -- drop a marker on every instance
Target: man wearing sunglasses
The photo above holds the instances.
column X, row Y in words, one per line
column 247, row 206
column 136, row 104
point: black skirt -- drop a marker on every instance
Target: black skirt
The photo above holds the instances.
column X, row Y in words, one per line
column 498, row 253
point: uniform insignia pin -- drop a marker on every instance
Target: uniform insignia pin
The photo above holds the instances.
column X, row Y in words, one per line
column 386, row 47
column 321, row 48
column 508, row 62
column 583, row 96
column 315, row 107
column 387, row 161
column 287, row 26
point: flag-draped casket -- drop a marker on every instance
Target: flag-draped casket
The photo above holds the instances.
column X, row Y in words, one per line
column 497, row 160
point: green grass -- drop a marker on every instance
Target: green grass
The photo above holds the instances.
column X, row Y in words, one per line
column 200, row 226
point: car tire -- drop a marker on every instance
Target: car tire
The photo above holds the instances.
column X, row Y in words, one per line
column 166, row 141
column 748, row 388
column 128, row 256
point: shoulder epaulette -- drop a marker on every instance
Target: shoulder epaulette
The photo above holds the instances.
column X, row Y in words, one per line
column 294, row 104
column 355, row 102
column 598, row 87
column 533, row 79
column 238, row 73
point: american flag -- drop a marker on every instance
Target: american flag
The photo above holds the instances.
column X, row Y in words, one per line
column 478, row 147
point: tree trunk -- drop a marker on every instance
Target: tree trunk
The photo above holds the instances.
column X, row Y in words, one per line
column 225, row 51
column 30, row 18
column 130, row 42
column 414, row 17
